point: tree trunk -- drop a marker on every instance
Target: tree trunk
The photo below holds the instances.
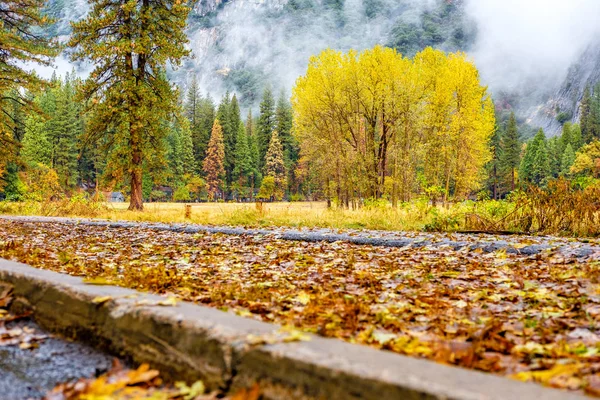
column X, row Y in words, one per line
column 513, row 179
column 136, row 203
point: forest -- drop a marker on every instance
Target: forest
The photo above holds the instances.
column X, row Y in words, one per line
column 358, row 127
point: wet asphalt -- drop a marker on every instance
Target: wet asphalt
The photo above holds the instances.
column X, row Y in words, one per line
column 32, row 373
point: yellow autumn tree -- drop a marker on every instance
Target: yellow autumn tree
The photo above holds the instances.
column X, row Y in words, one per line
column 362, row 119
column 458, row 121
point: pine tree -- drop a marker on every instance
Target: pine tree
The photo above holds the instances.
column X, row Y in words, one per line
column 585, row 111
column 555, row 156
column 200, row 113
column 291, row 150
column 535, row 166
column 576, row 139
column 230, row 136
column 174, row 154
column 594, row 116
column 266, row 125
column 187, row 147
column 243, row 163
column 255, row 175
column 20, row 44
column 213, row 165
column 283, row 125
column 493, row 166
column 63, row 135
column 275, row 166
column 568, row 159
column 36, row 147
column 201, row 134
column 130, row 42
column 510, row 152
column 192, row 105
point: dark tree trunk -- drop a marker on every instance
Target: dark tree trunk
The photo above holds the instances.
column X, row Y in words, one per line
column 136, row 203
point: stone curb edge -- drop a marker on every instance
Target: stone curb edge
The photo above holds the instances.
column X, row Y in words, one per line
column 194, row 342
column 583, row 252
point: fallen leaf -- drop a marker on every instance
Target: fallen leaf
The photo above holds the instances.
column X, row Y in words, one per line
column 101, row 299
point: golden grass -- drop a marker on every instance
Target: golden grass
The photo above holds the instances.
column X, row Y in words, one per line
column 305, row 214
column 413, row 216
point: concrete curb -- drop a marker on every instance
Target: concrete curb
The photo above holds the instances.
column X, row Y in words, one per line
column 582, row 252
column 194, row 342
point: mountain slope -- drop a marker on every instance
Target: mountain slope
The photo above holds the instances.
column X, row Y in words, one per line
column 564, row 103
column 244, row 45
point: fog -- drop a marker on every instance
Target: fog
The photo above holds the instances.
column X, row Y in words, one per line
column 276, row 44
column 524, row 43
column 520, row 45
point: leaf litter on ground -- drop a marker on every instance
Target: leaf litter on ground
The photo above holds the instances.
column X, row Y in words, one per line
column 143, row 383
column 24, row 337
column 532, row 318
column 120, row 383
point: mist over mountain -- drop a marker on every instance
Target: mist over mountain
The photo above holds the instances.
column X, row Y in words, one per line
column 537, row 56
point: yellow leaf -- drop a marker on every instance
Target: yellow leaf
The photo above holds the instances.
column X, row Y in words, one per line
column 303, row 298
column 559, row 370
column 97, row 281
column 170, row 301
column 101, row 299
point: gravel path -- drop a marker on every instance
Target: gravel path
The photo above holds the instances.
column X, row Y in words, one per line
column 515, row 244
column 31, row 373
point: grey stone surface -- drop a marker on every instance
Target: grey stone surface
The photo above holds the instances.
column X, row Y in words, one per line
column 31, row 373
column 194, row 342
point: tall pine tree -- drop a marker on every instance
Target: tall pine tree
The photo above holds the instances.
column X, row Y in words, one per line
column 65, row 131
column 510, row 153
column 21, row 42
column 535, row 166
column 255, row 175
column 214, row 163
column 266, row 125
column 242, row 172
column 36, row 146
column 130, row 43
column 275, row 166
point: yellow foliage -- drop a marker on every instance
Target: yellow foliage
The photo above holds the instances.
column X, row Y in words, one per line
column 360, row 118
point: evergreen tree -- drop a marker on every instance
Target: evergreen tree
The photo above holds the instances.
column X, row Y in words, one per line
column 20, row 44
column 555, row 156
column 266, row 125
column 568, row 159
column 594, row 116
column 213, row 165
column 201, row 133
column 230, row 136
column 566, row 136
column 284, row 122
column 200, row 113
column 192, row 104
column 255, row 175
column 243, row 163
column 535, row 166
column 283, row 126
column 175, row 154
column 36, row 148
column 585, row 115
column 130, row 43
column 576, row 139
column 275, row 166
column 63, row 135
column 187, row 147
column 510, row 154
column 493, row 166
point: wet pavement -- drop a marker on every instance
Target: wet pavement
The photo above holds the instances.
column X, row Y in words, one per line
column 31, row 373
